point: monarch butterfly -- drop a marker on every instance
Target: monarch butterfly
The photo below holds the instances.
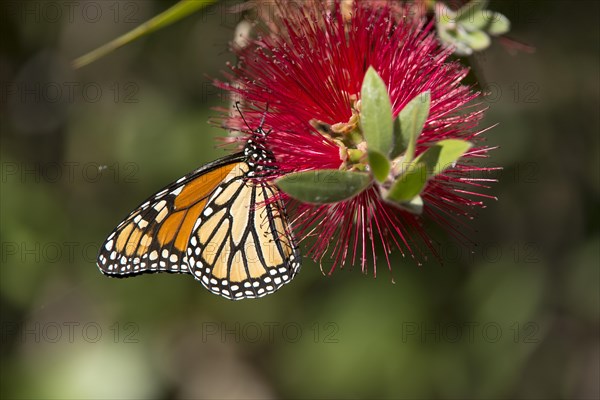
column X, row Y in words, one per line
column 222, row 223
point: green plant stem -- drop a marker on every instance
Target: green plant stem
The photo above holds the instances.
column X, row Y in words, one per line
column 178, row 11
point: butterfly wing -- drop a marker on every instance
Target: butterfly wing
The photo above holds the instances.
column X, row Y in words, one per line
column 154, row 237
column 242, row 246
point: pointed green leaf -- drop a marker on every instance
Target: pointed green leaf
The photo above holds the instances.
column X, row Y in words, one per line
column 476, row 40
column 400, row 142
column 411, row 119
column 324, row 186
column 479, row 20
column 443, row 155
column 178, row 11
column 380, row 165
column 498, row 25
column 414, row 206
column 409, row 184
column 376, row 113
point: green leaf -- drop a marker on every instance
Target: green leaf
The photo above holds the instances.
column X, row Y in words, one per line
column 443, row 155
column 178, row 11
column 450, row 37
column 471, row 11
column 498, row 25
column 476, row 40
column 415, row 205
column 444, row 16
column 409, row 184
column 324, row 186
column 445, row 20
column 376, row 113
column 400, row 142
column 411, row 120
column 380, row 165
column 479, row 20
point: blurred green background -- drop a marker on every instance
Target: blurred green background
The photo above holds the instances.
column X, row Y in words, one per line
column 514, row 316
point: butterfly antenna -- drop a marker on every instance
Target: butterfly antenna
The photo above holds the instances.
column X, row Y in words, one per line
column 237, row 106
column 262, row 121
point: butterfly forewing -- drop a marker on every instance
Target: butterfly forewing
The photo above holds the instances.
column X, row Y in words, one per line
column 154, row 237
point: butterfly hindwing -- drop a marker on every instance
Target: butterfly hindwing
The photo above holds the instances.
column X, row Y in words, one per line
column 154, row 237
column 242, row 247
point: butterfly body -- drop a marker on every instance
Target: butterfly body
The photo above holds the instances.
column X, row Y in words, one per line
column 224, row 223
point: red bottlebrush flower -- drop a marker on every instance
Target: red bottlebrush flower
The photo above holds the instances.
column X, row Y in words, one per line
column 309, row 71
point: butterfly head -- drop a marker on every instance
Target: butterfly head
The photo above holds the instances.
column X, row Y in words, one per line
column 259, row 158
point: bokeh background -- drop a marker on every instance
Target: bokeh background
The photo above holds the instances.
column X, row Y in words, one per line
column 514, row 314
